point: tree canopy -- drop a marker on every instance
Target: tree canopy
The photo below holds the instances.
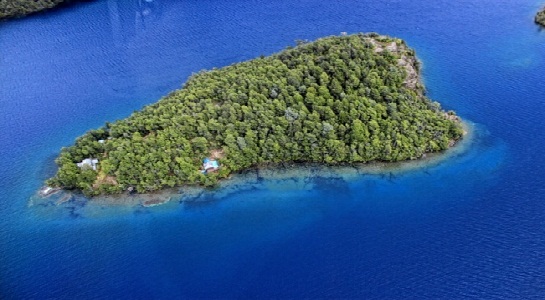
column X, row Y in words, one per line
column 338, row 100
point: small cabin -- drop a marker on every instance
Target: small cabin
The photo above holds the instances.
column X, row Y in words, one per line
column 88, row 162
column 210, row 165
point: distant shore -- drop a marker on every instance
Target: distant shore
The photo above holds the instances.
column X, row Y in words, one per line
column 540, row 17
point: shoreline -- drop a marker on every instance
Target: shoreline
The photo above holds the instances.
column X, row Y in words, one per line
column 255, row 175
column 19, row 9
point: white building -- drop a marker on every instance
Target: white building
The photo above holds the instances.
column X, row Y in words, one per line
column 89, row 162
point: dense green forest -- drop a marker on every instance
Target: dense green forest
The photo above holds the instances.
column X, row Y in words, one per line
column 338, row 100
column 19, row 8
column 540, row 17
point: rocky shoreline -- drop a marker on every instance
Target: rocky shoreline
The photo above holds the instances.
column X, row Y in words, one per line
column 21, row 8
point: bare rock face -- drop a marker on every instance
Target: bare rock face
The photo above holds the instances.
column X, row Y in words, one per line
column 409, row 63
column 407, row 59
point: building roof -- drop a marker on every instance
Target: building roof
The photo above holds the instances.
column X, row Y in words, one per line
column 91, row 162
column 210, row 164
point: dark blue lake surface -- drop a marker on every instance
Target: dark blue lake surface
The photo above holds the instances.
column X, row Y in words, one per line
column 472, row 226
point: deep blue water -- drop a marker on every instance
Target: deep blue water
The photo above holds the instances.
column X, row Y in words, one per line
column 472, row 226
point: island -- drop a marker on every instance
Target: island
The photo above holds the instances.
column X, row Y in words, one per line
column 20, row 8
column 347, row 99
column 540, row 17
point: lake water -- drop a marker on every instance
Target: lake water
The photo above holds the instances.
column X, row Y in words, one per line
column 470, row 226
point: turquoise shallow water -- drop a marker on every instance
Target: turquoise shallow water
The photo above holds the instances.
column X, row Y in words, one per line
column 470, row 226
